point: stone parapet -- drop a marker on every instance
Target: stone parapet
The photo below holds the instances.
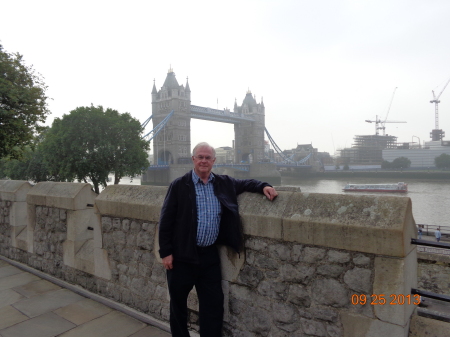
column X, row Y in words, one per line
column 308, row 259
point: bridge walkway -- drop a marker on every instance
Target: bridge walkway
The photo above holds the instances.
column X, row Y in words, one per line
column 33, row 306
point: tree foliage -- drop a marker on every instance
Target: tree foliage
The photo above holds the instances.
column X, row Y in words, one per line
column 386, row 164
column 31, row 165
column 23, row 104
column 442, row 161
column 90, row 143
column 401, row 162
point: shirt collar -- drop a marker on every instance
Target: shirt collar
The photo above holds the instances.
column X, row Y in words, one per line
column 196, row 179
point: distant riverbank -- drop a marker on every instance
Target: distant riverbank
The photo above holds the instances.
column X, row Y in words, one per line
column 397, row 175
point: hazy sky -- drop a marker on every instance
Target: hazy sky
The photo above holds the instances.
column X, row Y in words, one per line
column 322, row 67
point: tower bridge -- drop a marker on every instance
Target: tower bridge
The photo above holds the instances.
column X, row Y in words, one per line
column 172, row 109
column 172, row 145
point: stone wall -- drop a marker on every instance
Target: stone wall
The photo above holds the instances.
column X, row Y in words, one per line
column 433, row 272
column 305, row 256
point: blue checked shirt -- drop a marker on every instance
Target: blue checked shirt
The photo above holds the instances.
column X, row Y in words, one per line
column 208, row 211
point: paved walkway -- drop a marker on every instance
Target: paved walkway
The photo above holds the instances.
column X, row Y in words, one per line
column 34, row 307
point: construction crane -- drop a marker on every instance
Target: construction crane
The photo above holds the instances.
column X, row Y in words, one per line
column 379, row 124
column 437, row 134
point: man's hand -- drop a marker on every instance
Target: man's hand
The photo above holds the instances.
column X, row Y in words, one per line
column 270, row 192
column 168, row 262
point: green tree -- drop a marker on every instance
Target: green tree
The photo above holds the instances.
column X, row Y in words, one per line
column 31, row 165
column 386, row 165
column 90, row 143
column 442, row 161
column 401, row 162
column 23, row 104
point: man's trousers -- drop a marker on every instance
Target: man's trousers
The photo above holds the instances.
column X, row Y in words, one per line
column 206, row 277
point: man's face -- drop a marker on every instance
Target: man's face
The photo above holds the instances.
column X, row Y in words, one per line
column 203, row 161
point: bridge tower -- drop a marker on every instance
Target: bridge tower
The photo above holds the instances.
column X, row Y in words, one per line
column 249, row 135
column 173, row 143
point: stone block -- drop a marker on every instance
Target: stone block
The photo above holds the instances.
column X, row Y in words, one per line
column 18, row 213
column 63, row 195
column 78, row 222
column 231, row 263
column 69, row 253
column 423, row 326
column 31, row 224
column 395, row 277
column 84, row 257
column 261, row 217
column 372, row 224
column 359, row 280
column 17, row 231
column 131, row 201
column 14, row 190
column 356, row 326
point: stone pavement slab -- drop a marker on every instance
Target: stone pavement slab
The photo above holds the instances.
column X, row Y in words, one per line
column 40, row 304
column 46, row 325
column 36, row 288
column 150, row 331
column 16, row 280
column 114, row 324
column 9, row 270
column 9, row 296
column 10, row 316
column 4, row 263
column 32, row 306
column 83, row 311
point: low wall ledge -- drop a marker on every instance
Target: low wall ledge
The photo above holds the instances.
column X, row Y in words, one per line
column 131, row 201
column 14, row 190
column 73, row 196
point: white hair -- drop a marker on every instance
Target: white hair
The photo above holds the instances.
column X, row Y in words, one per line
column 203, row 144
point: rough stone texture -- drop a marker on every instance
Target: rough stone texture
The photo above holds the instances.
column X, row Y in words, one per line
column 422, row 326
column 358, row 279
column 433, row 275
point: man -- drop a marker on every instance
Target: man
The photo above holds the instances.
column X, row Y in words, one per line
column 200, row 210
column 437, row 234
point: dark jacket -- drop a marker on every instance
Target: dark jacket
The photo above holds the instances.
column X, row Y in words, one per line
column 178, row 221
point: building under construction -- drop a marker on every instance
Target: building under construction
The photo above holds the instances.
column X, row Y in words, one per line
column 368, row 150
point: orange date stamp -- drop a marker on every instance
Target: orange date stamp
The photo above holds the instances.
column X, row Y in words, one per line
column 381, row 299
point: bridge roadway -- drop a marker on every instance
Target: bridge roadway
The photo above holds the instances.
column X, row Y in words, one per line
column 31, row 305
column 215, row 115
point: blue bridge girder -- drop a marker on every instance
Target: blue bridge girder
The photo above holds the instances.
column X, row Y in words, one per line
column 240, row 167
column 215, row 115
column 157, row 128
column 158, row 167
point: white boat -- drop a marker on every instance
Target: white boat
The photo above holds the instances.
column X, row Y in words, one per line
column 387, row 188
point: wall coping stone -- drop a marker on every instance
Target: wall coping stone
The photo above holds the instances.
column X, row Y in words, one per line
column 73, row 196
column 381, row 225
column 131, row 201
column 14, row 190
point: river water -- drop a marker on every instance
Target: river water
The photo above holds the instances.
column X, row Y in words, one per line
column 430, row 198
